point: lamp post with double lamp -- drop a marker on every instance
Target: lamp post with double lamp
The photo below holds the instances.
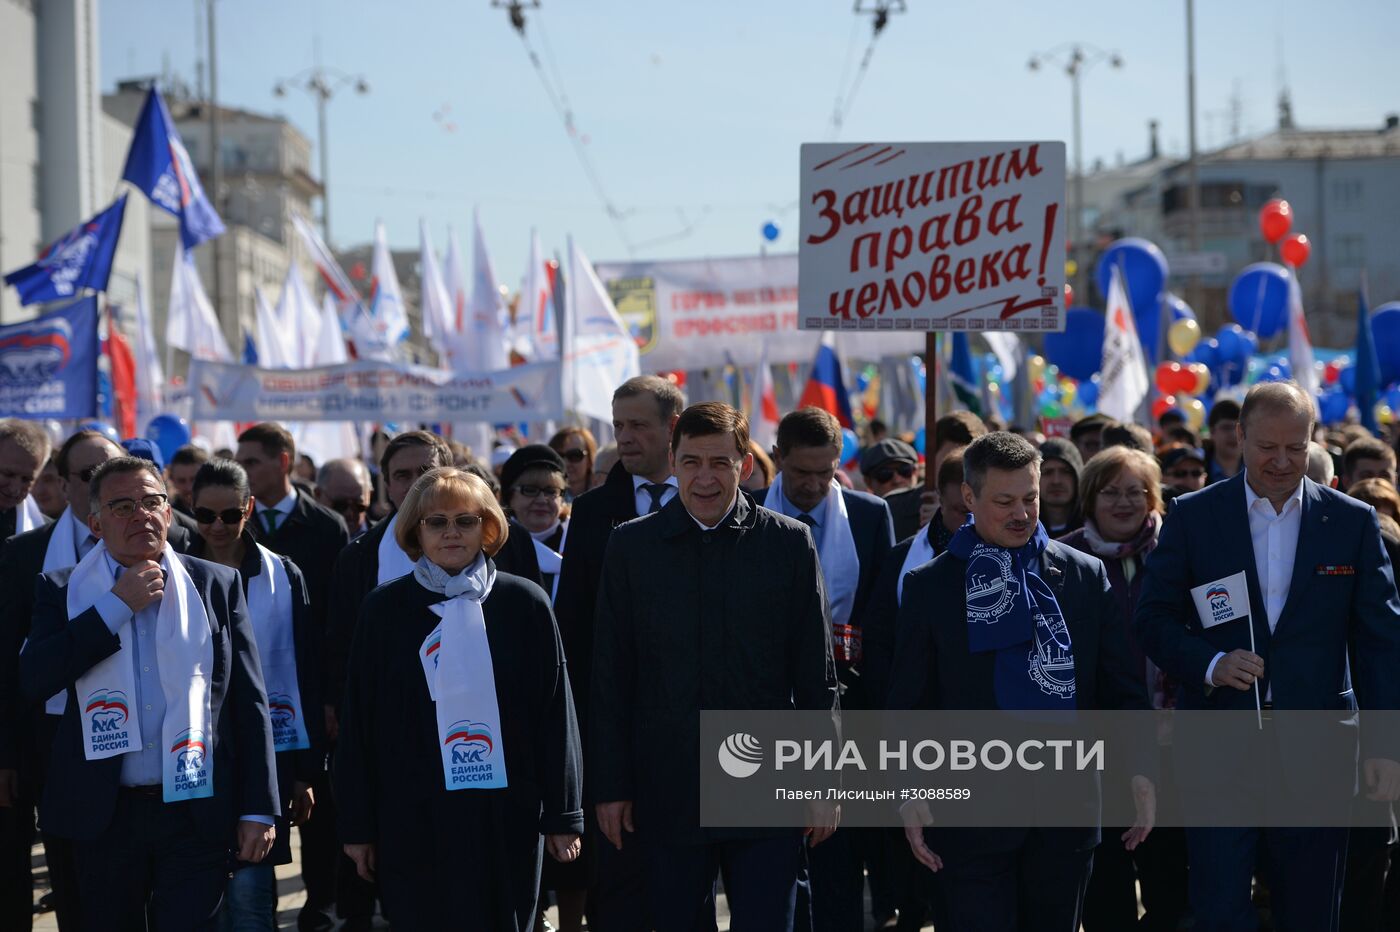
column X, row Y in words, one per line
column 1076, row 58
column 323, row 84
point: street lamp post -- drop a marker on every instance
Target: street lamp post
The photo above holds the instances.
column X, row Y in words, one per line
column 1077, row 58
column 322, row 84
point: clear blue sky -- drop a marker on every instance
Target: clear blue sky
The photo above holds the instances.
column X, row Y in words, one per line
column 694, row 110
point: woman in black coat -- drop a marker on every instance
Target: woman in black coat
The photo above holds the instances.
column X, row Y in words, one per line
column 452, row 819
column 222, row 505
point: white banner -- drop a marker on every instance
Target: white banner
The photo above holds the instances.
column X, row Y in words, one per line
column 933, row 236
column 370, row 390
column 707, row 313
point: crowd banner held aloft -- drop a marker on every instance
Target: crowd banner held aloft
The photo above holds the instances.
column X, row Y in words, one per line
column 707, row 313
column 370, row 390
column 932, row 236
column 81, row 258
column 48, row 365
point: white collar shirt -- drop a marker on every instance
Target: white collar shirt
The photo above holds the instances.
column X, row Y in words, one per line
column 639, row 488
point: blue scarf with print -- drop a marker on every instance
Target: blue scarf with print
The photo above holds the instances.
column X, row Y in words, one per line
column 1012, row 611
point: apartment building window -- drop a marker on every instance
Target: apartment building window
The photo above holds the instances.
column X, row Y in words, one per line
column 1346, row 193
column 1351, row 251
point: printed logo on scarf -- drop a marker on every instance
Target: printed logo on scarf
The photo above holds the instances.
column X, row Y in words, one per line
column 993, row 588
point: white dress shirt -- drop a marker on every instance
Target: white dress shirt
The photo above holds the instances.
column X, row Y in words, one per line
column 644, row 497
column 1274, row 535
column 283, row 509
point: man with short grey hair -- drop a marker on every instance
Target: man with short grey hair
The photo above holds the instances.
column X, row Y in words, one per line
column 1321, row 469
column 343, row 486
column 24, row 448
column 1302, row 607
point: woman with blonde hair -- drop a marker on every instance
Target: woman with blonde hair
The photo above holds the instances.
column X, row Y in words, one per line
column 458, row 761
column 1120, row 499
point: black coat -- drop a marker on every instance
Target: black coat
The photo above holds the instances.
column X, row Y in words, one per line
column 312, row 536
column 933, row 668
column 518, row 557
column 21, row 562
column 464, row 859
column 292, row 766
column 80, row 796
column 688, row 619
column 595, row 514
column 354, row 576
column 904, row 509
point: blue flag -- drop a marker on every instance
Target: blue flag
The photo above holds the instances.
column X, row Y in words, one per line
column 158, row 164
column 48, row 365
column 966, row 385
column 81, row 258
column 1368, row 369
column 250, row 350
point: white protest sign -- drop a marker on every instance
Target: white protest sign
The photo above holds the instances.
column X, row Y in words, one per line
column 932, row 236
column 370, row 390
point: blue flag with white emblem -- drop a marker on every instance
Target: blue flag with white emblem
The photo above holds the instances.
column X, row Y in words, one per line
column 81, row 258
column 48, row 365
column 159, row 165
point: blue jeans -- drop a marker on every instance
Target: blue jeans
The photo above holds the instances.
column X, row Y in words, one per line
column 250, row 901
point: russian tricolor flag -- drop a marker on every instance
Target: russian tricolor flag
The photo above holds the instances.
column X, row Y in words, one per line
column 826, row 385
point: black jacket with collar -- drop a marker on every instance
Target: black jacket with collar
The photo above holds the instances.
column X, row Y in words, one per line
column 354, row 575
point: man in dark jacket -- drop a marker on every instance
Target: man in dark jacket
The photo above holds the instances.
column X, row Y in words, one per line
column 645, row 410
column 1049, row 638
column 24, row 448
column 1060, row 466
column 157, row 772
column 711, row 603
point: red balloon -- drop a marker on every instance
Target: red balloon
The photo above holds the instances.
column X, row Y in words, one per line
column 1275, row 220
column 1331, row 373
column 1162, row 404
column 1296, row 249
column 1069, row 295
column 1169, row 377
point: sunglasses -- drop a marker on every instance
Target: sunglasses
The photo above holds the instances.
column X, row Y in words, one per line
column 887, row 473
column 439, row 523
column 575, row 456
column 85, row 475
column 230, row 516
column 1186, row 473
column 353, row 505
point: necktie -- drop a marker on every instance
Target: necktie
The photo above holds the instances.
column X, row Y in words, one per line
column 270, row 516
column 655, row 490
column 807, row 520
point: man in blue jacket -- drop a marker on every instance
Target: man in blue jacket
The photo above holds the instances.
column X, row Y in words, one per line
column 1304, row 568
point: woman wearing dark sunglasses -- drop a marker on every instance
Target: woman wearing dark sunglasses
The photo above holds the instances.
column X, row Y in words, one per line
column 458, row 762
column 289, row 648
column 576, row 446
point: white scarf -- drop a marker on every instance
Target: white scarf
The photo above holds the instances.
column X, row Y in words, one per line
column 839, row 559
column 393, row 562
column 62, row 553
column 920, row 552
column 456, row 660
column 184, row 649
column 550, row 560
column 270, row 607
column 28, row 516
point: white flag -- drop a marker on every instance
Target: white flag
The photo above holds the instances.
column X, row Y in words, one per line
column 484, row 338
column 763, row 406
column 599, row 352
column 1300, row 351
column 439, row 318
column 330, row 339
column 274, row 336
column 1123, row 380
column 150, row 376
column 300, row 318
column 191, row 324
column 326, row 440
column 535, row 316
column 386, row 307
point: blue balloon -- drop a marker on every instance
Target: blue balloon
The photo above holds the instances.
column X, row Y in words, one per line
column 770, row 231
column 1234, row 347
column 1078, row 351
column 1144, row 271
column 1272, row 374
column 1347, row 380
column 168, row 432
column 920, row 441
column 1207, row 352
column 102, row 427
column 1385, row 329
column 1179, row 308
column 850, row 446
column 1333, row 406
column 1259, row 298
column 1282, row 364
column 1088, row 394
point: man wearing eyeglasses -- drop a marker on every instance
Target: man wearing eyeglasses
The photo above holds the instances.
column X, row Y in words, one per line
column 371, row 559
column 343, row 486
column 162, row 769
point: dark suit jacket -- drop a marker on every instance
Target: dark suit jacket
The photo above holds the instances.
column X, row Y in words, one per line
column 688, row 619
column 518, row 556
column 933, row 669
column 21, row 562
column 904, row 509
column 877, row 625
column 595, row 514
column 80, row 795
column 313, row 537
column 354, row 575
column 1335, row 632
column 873, row 532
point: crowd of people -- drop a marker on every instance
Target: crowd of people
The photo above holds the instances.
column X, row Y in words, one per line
column 473, row 683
